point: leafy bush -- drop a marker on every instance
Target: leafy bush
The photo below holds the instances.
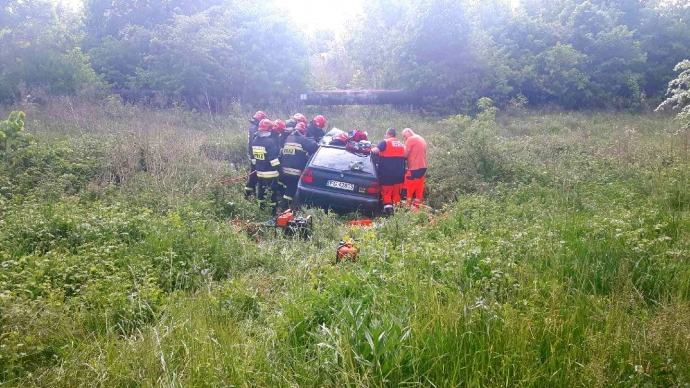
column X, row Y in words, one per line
column 465, row 156
column 11, row 129
column 679, row 92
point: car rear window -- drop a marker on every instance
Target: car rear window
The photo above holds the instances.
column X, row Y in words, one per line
column 341, row 159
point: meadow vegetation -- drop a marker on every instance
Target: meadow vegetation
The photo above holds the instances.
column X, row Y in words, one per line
column 558, row 255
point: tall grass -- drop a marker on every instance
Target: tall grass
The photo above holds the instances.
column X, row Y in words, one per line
column 559, row 256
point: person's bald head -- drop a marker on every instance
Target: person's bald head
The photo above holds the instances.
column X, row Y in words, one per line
column 407, row 133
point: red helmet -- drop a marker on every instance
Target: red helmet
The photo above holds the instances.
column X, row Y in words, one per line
column 260, row 115
column 358, row 135
column 301, row 127
column 300, row 118
column 265, row 125
column 279, row 126
column 343, row 137
column 320, row 121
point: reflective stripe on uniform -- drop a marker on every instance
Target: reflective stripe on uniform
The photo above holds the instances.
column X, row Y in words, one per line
column 259, row 152
column 296, row 146
column 275, row 162
column 292, row 148
column 248, row 189
column 292, row 171
column 282, row 184
column 267, row 174
column 287, row 197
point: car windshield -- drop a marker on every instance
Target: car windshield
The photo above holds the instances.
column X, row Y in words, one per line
column 341, row 160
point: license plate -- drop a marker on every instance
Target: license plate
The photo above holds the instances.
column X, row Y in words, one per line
column 341, row 185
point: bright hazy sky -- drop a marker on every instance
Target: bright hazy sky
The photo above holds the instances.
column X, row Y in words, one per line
column 322, row 14
column 312, row 14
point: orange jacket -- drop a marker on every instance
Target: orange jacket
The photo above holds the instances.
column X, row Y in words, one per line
column 391, row 162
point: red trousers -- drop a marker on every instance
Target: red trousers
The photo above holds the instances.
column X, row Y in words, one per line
column 391, row 194
column 414, row 185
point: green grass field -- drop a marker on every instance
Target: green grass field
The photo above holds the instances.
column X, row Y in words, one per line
column 558, row 256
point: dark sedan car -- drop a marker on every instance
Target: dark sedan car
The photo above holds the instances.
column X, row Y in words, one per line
column 338, row 179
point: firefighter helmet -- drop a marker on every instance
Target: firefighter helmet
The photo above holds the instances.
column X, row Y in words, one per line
column 260, row 115
column 300, row 118
column 265, row 125
column 301, row 127
column 279, row 126
column 320, row 121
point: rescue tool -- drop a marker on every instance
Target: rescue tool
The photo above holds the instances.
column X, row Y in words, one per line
column 291, row 225
column 286, row 221
column 346, row 251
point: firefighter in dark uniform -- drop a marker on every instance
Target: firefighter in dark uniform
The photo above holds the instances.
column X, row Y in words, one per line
column 391, row 169
column 268, row 169
column 250, row 187
column 295, row 155
column 315, row 128
column 278, row 133
column 289, row 127
column 296, row 119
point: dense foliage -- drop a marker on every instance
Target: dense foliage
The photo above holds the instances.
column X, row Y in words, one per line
column 201, row 53
column 198, row 52
column 572, row 53
column 39, row 51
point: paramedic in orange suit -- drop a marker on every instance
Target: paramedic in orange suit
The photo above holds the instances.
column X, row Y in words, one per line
column 415, row 155
column 391, row 169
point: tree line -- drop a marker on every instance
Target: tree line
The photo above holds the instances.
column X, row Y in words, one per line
column 209, row 53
